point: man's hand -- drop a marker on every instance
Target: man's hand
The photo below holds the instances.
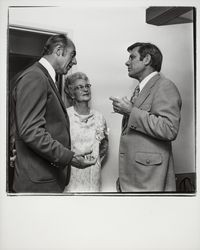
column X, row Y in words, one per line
column 83, row 161
column 122, row 106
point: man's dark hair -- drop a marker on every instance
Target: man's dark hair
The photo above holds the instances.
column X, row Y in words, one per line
column 152, row 50
column 54, row 41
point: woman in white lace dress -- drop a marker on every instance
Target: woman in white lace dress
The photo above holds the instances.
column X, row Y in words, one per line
column 88, row 133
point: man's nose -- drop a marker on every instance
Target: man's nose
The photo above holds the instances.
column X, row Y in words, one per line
column 127, row 63
column 74, row 61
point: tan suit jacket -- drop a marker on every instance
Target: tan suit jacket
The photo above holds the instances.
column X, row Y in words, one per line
column 145, row 154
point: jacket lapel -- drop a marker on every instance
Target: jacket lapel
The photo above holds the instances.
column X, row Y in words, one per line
column 52, row 85
column 55, row 90
column 146, row 90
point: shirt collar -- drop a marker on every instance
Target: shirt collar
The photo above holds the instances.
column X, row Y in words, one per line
column 146, row 79
column 49, row 68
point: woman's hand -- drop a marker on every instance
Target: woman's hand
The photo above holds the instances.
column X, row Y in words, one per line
column 83, row 161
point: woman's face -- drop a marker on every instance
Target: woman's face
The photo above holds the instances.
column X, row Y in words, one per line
column 81, row 91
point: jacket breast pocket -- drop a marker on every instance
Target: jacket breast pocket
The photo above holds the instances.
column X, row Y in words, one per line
column 148, row 159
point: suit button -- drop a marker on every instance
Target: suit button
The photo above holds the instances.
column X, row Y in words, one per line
column 147, row 161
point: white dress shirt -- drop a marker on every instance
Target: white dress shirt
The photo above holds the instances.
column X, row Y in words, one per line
column 49, row 68
column 146, row 79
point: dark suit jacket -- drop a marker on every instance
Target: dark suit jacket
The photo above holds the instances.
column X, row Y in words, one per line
column 42, row 135
column 145, row 157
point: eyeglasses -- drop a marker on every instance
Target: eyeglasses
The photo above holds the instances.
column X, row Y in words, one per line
column 81, row 87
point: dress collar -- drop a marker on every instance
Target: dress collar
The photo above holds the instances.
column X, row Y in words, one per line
column 83, row 118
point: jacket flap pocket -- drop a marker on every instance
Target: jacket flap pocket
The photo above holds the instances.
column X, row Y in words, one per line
column 148, row 158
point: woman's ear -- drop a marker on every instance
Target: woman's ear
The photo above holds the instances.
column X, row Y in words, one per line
column 71, row 91
column 69, row 95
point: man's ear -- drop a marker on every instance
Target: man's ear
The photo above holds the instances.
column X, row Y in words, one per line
column 58, row 50
column 147, row 59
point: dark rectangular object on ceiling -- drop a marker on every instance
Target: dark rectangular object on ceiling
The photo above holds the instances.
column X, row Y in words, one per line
column 169, row 15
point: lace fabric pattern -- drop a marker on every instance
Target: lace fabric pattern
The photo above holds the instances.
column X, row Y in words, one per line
column 87, row 132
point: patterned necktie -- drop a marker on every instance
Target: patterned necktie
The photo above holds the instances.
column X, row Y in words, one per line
column 133, row 98
column 135, row 94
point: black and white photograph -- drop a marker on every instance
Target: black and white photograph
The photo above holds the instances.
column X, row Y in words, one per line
column 100, row 107
column 75, row 127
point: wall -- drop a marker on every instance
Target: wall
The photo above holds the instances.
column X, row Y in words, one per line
column 101, row 34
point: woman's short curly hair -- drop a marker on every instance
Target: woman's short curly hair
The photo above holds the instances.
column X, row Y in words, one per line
column 71, row 79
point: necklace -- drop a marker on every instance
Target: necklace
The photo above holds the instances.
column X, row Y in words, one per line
column 83, row 117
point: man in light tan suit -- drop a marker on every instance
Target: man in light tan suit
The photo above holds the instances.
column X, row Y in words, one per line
column 151, row 121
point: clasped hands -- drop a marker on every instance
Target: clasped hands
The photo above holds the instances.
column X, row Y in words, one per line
column 122, row 106
column 79, row 160
column 85, row 160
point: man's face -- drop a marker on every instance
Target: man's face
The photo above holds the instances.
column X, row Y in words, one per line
column 135, row 66
column 66, row 60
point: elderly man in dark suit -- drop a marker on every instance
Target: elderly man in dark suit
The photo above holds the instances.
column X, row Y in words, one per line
column 151, row 121
column 42, row 137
